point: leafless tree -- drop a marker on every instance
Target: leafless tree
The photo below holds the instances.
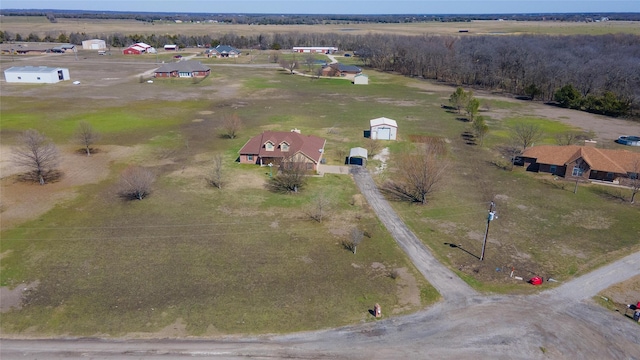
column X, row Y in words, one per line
column 634, row 180
column 319, row 208
column 290, row 65
column 86, row 136
column 135, row 182
column 291, row 177
column 309, row 60
column 572, row 137
column 373, row 147
column 417, row 176
column 355, row 238
column 216, row 177
column 275, row 56
column 37, row 154
column 232, row 124
column 526, row 134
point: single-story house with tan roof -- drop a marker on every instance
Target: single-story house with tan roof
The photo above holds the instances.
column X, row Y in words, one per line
column 272, row 147
column 587, row 162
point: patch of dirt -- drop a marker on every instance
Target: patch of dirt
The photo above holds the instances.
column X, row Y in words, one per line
column 407, row 290
column 23, row 201
column 12, row 298
column 622, row 294
column 590, row 220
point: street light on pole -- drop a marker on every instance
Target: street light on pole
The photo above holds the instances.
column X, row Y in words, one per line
column 492, row 215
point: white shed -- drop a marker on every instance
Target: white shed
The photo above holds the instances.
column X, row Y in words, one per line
column 94, row 44
column 361, row 79
column 36, row 74
column 383, row 129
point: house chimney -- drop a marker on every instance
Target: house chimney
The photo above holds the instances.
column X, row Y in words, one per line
column 590, row 143
column 296, row 130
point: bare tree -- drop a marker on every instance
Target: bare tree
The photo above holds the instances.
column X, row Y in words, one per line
column 216, row 177
column 355, row 238
column 320, row 206
column 231, row 125
column 275, row 56
column 309, row 60
column 135, row 182
column 36, row 153
column 634, row 180
column 373, row 147
column 572, row 137
column 290, row 65
column 526, row 134
column 417, row 176
column 86, row 136
column 291, row 177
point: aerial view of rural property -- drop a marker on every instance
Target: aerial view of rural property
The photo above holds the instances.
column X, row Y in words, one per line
column 310, row 179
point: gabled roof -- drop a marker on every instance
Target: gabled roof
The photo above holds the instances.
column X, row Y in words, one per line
column 309, row 145
column 225, row 49
column 383, row 121
column 182, row 66
column 345, row 68
column 32, row 69
column 615, row 161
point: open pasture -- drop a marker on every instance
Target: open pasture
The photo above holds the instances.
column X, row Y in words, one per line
column 41, row 26
column 193, row 260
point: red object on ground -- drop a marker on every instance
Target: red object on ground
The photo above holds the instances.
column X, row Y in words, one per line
column 536, row 280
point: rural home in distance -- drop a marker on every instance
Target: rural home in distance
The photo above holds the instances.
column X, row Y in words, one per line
column 223, row 51
column 182, row 69
column 272, row 147
column 338, row 69
column 586, row 162
column 36, row 74
column 315, row 49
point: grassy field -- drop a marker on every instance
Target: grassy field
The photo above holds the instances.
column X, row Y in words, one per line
column 41, row 26
column 244, row 260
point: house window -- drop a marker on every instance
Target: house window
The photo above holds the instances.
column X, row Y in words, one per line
column 609, row 176
column 38, row 77
column 284, row 147
column 268, row 146
column 19, row 77
column 577, row 171
column 633, row 176
column 552, row 169
column 249, row 157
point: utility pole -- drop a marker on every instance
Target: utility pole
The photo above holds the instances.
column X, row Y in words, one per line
column 492, row 215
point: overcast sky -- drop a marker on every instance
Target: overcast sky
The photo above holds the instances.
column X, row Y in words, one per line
column 334, row 7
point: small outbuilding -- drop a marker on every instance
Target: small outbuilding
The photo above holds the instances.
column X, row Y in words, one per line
column 357, row 156
column 171, row 47
column 36, row 74
column 383, row 129
column 94, row 44
column 361, row 79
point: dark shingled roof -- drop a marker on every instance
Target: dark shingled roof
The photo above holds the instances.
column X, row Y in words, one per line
column 616, row 161
column 182, row 66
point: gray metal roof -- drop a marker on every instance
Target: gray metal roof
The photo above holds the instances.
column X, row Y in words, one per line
column 358, row 152
column 32, row 69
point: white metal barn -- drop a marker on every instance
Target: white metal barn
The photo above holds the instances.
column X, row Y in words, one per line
column 94, row 44
column 36, row 74
column 383, row 129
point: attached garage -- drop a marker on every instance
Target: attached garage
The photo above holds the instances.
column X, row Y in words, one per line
column 383, row 129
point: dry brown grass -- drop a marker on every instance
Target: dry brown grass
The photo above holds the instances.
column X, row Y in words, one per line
column 40, row 26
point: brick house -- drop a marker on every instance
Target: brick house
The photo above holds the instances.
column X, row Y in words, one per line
column 272, row 147
column 338, row 69
column 585, row 162
column 187, row 68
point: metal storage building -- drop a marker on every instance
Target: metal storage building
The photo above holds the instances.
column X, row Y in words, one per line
column 94, row 44
column 383, row 129
column 36, row 74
